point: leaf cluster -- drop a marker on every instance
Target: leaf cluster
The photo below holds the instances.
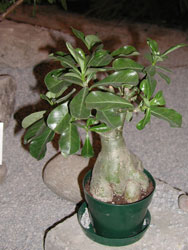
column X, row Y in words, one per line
column 79, row 97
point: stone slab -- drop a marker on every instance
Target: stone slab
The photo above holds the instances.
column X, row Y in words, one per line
column 113, row 33
column 168, row 228
column 3, row 172
column 7, row 98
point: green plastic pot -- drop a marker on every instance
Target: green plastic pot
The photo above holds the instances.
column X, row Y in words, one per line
column 117, row 221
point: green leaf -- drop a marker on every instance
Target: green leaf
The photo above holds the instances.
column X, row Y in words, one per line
column 87, row 150
column 59, row 118
column 77, row 55
column 64, row 4
column 69, row 80
column 127, row 76
column 173, row 48
column 44, row 97
column 152, row 83
column 54, row 81
column 158, row 99
column 91, row 40
column 169, row 115
column 165, row 77
column 66, row 97
column 153, row 46
column 37, row 146
column 34, row 130
column 126, row 51
column 32, row 118
column 150, row 70
column 68, row 62
column 163, row 68
column 69, row 141
column 126, row 63
column 110, row 117
column 101, row 128
column 79, row 34
column 100, row 58
column 91, row 121
column 149, row 57
column 146, row 88
column 78, row 107
column 141, row 125
column 104, row 101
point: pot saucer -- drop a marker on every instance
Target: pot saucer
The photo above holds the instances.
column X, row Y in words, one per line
column 89, row 231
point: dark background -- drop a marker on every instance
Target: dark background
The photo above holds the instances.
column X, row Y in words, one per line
column 169, row 13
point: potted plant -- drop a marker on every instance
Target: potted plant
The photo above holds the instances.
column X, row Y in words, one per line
column 119, row 190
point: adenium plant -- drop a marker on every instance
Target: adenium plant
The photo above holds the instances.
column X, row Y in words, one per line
column 78, row 97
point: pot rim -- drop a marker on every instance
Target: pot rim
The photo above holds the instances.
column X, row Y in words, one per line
column 121, row 205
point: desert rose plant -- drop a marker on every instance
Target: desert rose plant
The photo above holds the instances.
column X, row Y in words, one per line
column 78, row 97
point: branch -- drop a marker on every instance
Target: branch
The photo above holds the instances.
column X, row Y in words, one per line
column 10, row 9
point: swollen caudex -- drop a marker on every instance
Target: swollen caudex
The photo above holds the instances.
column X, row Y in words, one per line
column 117, row 171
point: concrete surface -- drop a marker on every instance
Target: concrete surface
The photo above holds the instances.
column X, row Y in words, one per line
column 165, row 231
column 30, row 211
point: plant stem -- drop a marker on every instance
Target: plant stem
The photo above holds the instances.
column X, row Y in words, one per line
column 10, row 9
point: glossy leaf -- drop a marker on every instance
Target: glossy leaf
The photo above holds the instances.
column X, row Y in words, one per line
column 68, row 62
column 126, row 51
column 110, row 117
column 100, row 58
column 118, row 78
column 54, row 81
column 66, row 97
column 37, row 146
column 69, row 80
column 76, row 55
column 158, row 100
column 104, row 101
column 59, row 118
column 146, row 88
column 69, row 141
column 165, row 77
column 87, row 150
column 153, row 83
column 79, row 34
column 34, row 130
column 91, row 121
column 101, row 128
column 171, row 49
column 44, row 97
column 169, row 115
column 78, row 107
column 126, row 63
column 32, row 118
column 141, row 125
column 91, row 40
column 153, row 46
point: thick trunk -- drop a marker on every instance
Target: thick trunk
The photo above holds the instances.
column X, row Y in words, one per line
column 117, row 171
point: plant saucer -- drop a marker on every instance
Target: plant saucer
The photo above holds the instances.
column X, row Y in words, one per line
column 89, row 231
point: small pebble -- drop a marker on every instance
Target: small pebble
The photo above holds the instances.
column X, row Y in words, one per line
column 183, row 202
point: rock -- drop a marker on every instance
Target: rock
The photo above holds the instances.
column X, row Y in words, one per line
column 183, row 202
column 23, row 45
column 7, row 98
column 3, row 171
column 64, row 176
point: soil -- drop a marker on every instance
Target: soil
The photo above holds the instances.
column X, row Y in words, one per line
column 119, row 199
